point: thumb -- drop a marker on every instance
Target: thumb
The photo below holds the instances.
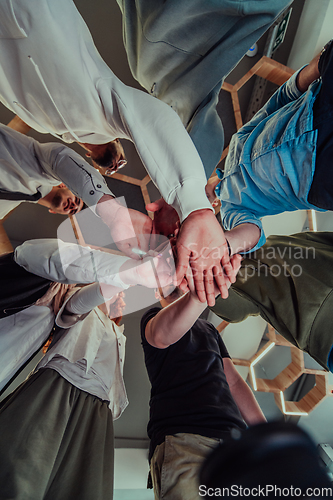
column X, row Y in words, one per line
column 155, row 205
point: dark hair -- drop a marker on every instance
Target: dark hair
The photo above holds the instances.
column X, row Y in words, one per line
column 275, row 453
column 106, row 159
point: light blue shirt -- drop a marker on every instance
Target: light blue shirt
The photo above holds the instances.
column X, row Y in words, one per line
column 271, row 160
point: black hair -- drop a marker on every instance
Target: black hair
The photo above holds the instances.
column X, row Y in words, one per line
column 106, row 159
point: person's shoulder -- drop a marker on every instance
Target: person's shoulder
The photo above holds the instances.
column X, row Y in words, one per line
column 208, row 328
column 205, row 326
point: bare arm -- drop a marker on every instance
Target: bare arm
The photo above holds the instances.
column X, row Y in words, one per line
column 129, row 228
column 243, row 237
column 242, row 394
column 308, row 74
column 181, row 314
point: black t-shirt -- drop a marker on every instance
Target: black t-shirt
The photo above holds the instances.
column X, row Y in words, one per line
column 19, row 288
column 189, row 390
column 321, row 191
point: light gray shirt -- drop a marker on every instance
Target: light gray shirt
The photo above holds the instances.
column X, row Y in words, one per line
column 28, row 167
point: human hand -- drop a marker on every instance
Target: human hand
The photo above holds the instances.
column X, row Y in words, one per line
column 129, row 228
column 166, row 219
column 155, row 270
column 235, row 261
column 210, row 190
column 202, row 245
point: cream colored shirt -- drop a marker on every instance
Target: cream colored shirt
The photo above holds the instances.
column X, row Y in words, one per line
column 91, row 357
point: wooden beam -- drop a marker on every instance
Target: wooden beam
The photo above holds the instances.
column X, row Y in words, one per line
column 77, row 230
column 222, row 326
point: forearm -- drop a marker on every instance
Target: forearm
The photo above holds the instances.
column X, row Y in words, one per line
column 69, row 263
column 242, row 238
column 247, row 403
column 110, row 209
column 89, row 297
column 308, row 74
column 172, row 322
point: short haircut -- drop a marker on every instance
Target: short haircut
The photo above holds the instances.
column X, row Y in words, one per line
column 106, row 159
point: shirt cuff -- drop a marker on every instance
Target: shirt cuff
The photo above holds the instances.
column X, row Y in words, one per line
column 189, row 197
column 92, row 194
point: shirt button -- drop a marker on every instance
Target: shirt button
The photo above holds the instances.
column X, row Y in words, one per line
column 99, row 186
column 119, row 344
column 153, row 88
column 91, row 192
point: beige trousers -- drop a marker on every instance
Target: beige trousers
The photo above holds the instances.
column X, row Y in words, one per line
column 176, row 463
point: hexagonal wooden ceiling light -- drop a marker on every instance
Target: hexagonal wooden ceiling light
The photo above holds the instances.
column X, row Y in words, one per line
column 287, row 377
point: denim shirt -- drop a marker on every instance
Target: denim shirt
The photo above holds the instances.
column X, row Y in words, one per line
column 271, row 160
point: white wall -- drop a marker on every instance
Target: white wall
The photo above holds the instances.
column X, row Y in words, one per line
column 314, row 30
column 131, row 468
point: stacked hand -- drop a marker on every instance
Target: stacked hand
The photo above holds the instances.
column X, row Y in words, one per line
column 155, row 270
column 129, row 228
column 201, row 244
column 235, row 262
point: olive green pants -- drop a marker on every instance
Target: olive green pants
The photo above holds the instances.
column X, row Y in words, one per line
column 289, row 282
column 56, row 442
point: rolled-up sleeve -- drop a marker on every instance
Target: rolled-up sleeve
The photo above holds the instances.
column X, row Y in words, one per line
column 232, row 217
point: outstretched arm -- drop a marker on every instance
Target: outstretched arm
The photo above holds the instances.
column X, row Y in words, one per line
column 181, row 314
column 243, row 238
column 200, row 244
column 175, row 167
column 70, row 263
column 88, row 184
column 242, row 394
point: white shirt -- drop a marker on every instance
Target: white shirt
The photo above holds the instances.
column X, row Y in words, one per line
column 53, row 78
column 91, row 357
column 23, row 333
column 26, row 166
